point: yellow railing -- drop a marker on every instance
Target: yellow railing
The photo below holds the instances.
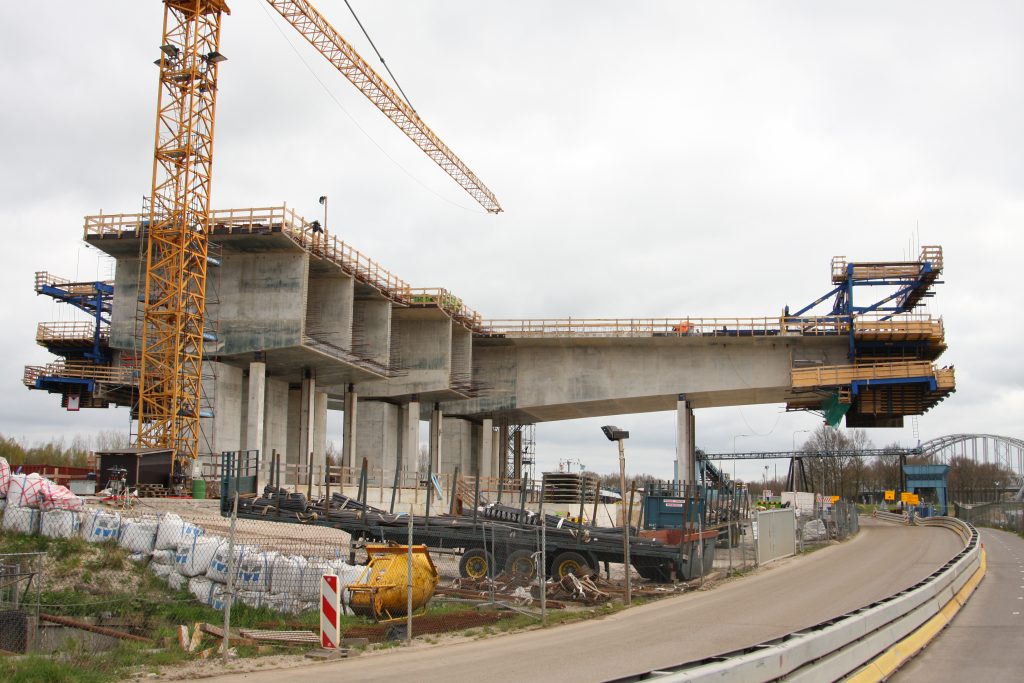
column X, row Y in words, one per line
column 69, row 331
column 44, row 278
column 900, row 327
column 666, row 327
column 445, row 300
column 119, row 374
column 317, row 241
column 839, row 375
column 884, row 269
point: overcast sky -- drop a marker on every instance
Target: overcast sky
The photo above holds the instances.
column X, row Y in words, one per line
column 653, row 159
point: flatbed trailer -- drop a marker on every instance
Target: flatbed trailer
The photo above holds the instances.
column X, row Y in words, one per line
column 497, row 538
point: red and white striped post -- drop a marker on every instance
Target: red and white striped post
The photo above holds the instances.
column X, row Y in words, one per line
column 330, row 610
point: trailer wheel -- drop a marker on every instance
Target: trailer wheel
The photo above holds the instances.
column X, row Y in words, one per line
column 570, row 563
column 520, row 565
column 476, row 563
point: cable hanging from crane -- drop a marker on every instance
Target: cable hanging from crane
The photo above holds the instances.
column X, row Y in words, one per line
column 380, row 56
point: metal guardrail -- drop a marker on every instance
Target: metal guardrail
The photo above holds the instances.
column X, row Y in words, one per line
column 668, row 327
column 835, row 648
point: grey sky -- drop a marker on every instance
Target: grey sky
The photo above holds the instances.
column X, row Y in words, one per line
column 653, row 159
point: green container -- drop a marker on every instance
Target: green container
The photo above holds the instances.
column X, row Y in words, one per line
column 199, row 489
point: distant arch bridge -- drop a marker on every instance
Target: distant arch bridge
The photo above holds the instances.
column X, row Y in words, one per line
column 1005, row 451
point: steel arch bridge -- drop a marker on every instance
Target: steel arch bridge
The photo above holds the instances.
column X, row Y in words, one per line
column 1005, row 451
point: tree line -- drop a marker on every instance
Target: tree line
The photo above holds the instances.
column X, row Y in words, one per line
column 60, row 453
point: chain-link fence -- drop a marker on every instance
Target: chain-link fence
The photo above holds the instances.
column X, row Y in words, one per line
column 1006, row 515
column 836, row 521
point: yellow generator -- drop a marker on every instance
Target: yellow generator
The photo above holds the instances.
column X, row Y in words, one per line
column 382, row 592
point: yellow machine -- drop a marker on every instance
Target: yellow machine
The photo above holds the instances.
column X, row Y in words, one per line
column 382, row 592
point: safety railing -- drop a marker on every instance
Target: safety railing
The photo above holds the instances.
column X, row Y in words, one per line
column 667, row 327
column 69, row 331
column 887, row 269
column 44, row 279
column 838, row 375
column 111, row 374
column 899, row 328
column 445, row 300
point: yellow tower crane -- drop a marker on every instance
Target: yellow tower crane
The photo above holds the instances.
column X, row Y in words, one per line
column 174, row 296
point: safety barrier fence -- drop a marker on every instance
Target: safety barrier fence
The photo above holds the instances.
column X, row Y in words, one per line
column 838, row 647
column 1006, row 515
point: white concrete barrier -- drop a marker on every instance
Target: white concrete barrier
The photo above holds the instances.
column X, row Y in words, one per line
column 834, row 649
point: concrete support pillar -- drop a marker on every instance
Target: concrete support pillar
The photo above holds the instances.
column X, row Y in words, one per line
column 307, row 413
column 686, row 464
column 410, row 427
column 255, row 414
column 435, row 438
column 486, row 444
column 348, row 437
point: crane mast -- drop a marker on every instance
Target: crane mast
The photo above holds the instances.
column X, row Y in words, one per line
column 177, row 233
column 174, row 296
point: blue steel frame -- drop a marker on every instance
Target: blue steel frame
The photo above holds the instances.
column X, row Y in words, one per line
column 844, row 300
column 96, row 304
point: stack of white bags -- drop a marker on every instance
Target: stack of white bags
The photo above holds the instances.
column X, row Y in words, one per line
column 24, row 496
column 178, row 551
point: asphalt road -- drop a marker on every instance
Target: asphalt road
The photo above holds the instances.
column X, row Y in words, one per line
column 881, row 560
column 985, row 641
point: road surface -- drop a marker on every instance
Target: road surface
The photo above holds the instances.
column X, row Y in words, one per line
column 985, row 641
column 883, row 559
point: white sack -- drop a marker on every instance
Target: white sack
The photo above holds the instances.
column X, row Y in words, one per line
column 255, row 570
column 163, row 557
column 24, row 490
column 138, row 535
column 21, row 520
column 5, row 477
column 193, row 557
column 218, row 570
column 59, row 523
column 99, row 526
column 176, row 581
column 164, row 571
column 173, row 531
column 200, row 587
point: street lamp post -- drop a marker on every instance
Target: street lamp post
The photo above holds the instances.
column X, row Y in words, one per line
column 620, row 435
column 737, row 436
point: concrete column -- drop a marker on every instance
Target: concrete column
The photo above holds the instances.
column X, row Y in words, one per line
column 435, row 437
column 410, row 436
column 307, row 413
column 685, row 462
column 255, row 416
column 348, row 438
column 486, row 444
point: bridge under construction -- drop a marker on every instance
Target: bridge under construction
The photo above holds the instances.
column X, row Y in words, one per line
column 299, row 322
